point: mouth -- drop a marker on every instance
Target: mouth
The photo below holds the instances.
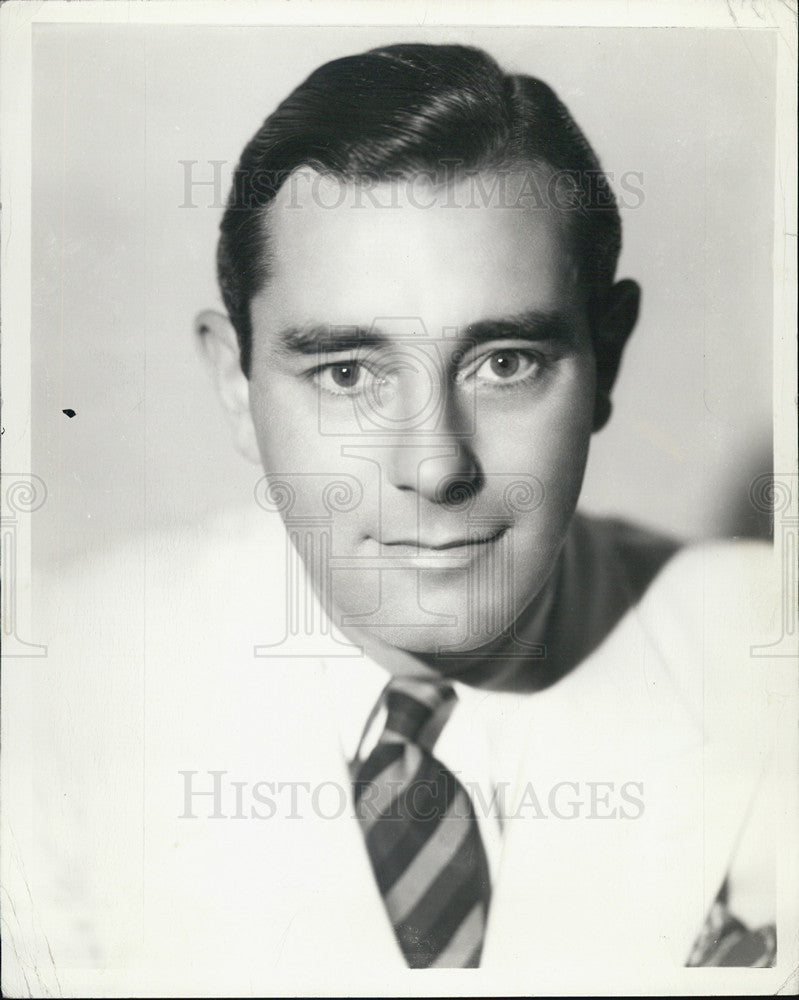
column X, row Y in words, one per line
column 429, row 548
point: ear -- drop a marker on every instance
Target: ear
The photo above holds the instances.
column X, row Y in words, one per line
column 219, row 349
column 615, row 325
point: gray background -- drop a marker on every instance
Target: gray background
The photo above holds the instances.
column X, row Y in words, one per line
column 120, row 268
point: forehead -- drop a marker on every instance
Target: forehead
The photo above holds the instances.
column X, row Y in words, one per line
column 346, row 252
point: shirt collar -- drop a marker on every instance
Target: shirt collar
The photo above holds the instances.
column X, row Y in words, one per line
column 355, row 686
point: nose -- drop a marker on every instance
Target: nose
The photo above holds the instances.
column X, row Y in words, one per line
column 434, row 455
column 440, row 471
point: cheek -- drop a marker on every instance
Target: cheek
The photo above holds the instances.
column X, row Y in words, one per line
column 282, row 428
column 308, row 478
column 565, row 442
column 568, row 435
column 546, row 436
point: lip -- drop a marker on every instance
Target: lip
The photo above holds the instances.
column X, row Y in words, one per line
column 451, row 546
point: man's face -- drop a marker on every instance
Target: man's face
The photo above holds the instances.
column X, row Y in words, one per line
column 429, row 351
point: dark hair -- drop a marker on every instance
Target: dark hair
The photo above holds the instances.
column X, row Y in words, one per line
column 396, row 111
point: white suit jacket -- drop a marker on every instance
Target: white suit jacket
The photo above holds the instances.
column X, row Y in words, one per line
column 151, row 687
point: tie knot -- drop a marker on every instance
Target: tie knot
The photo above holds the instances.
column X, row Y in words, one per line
column 418, row 710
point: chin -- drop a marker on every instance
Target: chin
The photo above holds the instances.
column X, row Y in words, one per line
column 426, row 640
column 428, row 631
column 429, row 613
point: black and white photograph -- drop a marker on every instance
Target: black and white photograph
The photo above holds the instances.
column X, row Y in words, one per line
column 400, row 499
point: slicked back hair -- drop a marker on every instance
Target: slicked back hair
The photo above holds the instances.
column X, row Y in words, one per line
column 401, row 110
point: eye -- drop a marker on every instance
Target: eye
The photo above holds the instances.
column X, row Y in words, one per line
column 507, row 365
column 343, row 378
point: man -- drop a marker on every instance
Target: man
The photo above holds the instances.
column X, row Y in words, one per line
column 523, row 745
column 440, row 349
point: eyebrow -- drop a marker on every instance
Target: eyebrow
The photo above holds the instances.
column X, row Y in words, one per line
column 316, row 338
column 532, row 325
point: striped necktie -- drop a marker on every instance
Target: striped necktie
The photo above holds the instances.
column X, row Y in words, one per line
column 421, row 832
